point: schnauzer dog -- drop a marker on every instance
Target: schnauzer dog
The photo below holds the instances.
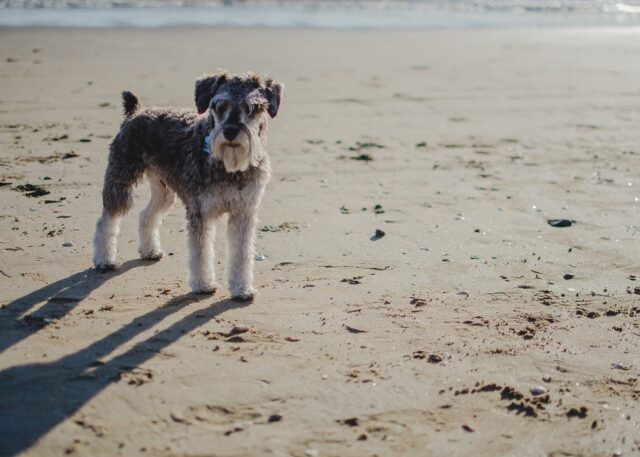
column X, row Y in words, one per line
column 215, row 160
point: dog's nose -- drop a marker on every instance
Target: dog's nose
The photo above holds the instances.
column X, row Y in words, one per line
column 230, row 133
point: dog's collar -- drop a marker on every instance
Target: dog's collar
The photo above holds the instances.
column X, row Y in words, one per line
column 205, row 147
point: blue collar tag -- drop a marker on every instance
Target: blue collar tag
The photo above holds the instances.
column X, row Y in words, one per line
column 205, row 148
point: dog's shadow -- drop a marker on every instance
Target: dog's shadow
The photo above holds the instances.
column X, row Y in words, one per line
column 59, row 299
column 36, row 397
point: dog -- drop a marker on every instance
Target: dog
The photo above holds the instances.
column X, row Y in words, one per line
column 215, row 160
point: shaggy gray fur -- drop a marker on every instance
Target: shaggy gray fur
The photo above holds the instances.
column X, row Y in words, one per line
column 167, row 145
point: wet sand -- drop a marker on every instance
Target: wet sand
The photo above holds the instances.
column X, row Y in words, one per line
column 471, row 327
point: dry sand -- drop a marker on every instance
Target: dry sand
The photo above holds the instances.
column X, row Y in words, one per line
column 477, row 138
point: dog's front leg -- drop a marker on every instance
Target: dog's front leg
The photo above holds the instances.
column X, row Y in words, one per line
column 240, row 237
column 201, row 234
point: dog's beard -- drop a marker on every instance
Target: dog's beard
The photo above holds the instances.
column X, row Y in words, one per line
column 234, row 158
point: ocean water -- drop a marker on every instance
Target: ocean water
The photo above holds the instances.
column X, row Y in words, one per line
column 365, row 14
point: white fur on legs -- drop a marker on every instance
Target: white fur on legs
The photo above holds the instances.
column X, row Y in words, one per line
column 240, row 238
column 162, row 200
column 201, row 234
column 105, row 241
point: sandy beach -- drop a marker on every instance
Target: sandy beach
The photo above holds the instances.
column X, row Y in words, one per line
column 472, row 327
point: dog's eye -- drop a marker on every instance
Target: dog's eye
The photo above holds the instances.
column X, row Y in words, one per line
column 253, row 109
column 221, row 106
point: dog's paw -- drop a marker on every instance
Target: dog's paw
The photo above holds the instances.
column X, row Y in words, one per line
column 248, row 296
column 106, row 266
column 152, row 255
column 204, row 288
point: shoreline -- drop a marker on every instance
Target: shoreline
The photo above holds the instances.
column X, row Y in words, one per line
column 333, row 17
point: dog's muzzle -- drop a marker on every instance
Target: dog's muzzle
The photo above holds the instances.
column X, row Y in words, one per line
column 232, row 146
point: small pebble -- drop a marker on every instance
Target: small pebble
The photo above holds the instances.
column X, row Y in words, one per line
column 538, row 390
column 546, row 378
column 67, row 244
column 434, row 358
column 260, row 258
column 619, row 366
column 561, row 223
column 238, row 329
column 311, row 453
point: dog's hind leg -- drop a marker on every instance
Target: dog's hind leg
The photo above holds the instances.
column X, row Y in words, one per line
column 162, row 200
column 201, row 234
column 117, row 200
column 105, row 241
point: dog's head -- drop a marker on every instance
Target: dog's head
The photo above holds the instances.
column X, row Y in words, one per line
column 240, row 106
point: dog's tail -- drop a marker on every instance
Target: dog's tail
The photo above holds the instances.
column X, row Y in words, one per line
column 130, row 103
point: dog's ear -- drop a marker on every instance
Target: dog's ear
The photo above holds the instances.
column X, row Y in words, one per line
column 273, row 93
column 206, row 88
